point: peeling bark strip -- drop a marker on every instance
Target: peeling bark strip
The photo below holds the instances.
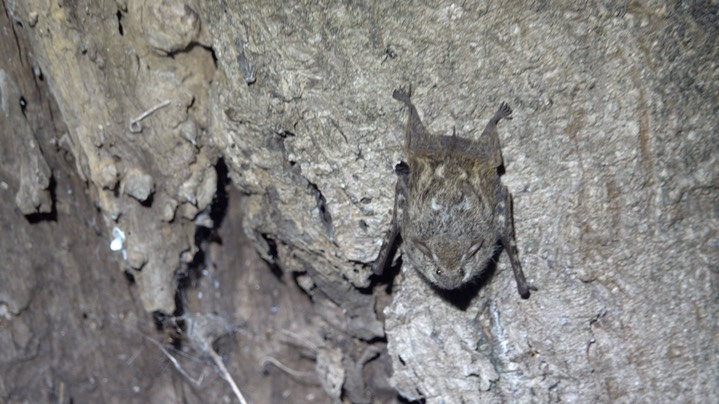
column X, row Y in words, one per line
column 34, row 193
column 153, row 187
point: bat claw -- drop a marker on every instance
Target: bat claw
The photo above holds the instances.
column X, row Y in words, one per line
column 403, row 95
column 504, row 111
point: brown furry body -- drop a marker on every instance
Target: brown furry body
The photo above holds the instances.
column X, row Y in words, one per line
column 451, row 208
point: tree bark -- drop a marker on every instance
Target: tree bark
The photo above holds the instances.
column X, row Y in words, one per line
column 187, row 134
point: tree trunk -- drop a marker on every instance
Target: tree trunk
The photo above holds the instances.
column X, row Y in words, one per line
column 191, row 185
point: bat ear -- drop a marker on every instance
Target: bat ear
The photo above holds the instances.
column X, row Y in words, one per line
column 423, row 247
column 476, row 245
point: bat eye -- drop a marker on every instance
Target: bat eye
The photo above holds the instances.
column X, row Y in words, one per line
column 476, row 246
column 438, row 271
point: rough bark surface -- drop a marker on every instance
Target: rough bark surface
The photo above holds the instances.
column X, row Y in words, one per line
column 153, row 151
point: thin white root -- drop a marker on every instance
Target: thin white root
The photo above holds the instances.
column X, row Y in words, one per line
column 294, row 373
column 226, row 375
column 197, row 382
column 202, row 330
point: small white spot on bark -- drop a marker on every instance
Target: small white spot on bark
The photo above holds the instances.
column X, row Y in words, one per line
column 439, row 171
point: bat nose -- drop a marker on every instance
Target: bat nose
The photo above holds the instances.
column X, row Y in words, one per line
column 448, row 279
